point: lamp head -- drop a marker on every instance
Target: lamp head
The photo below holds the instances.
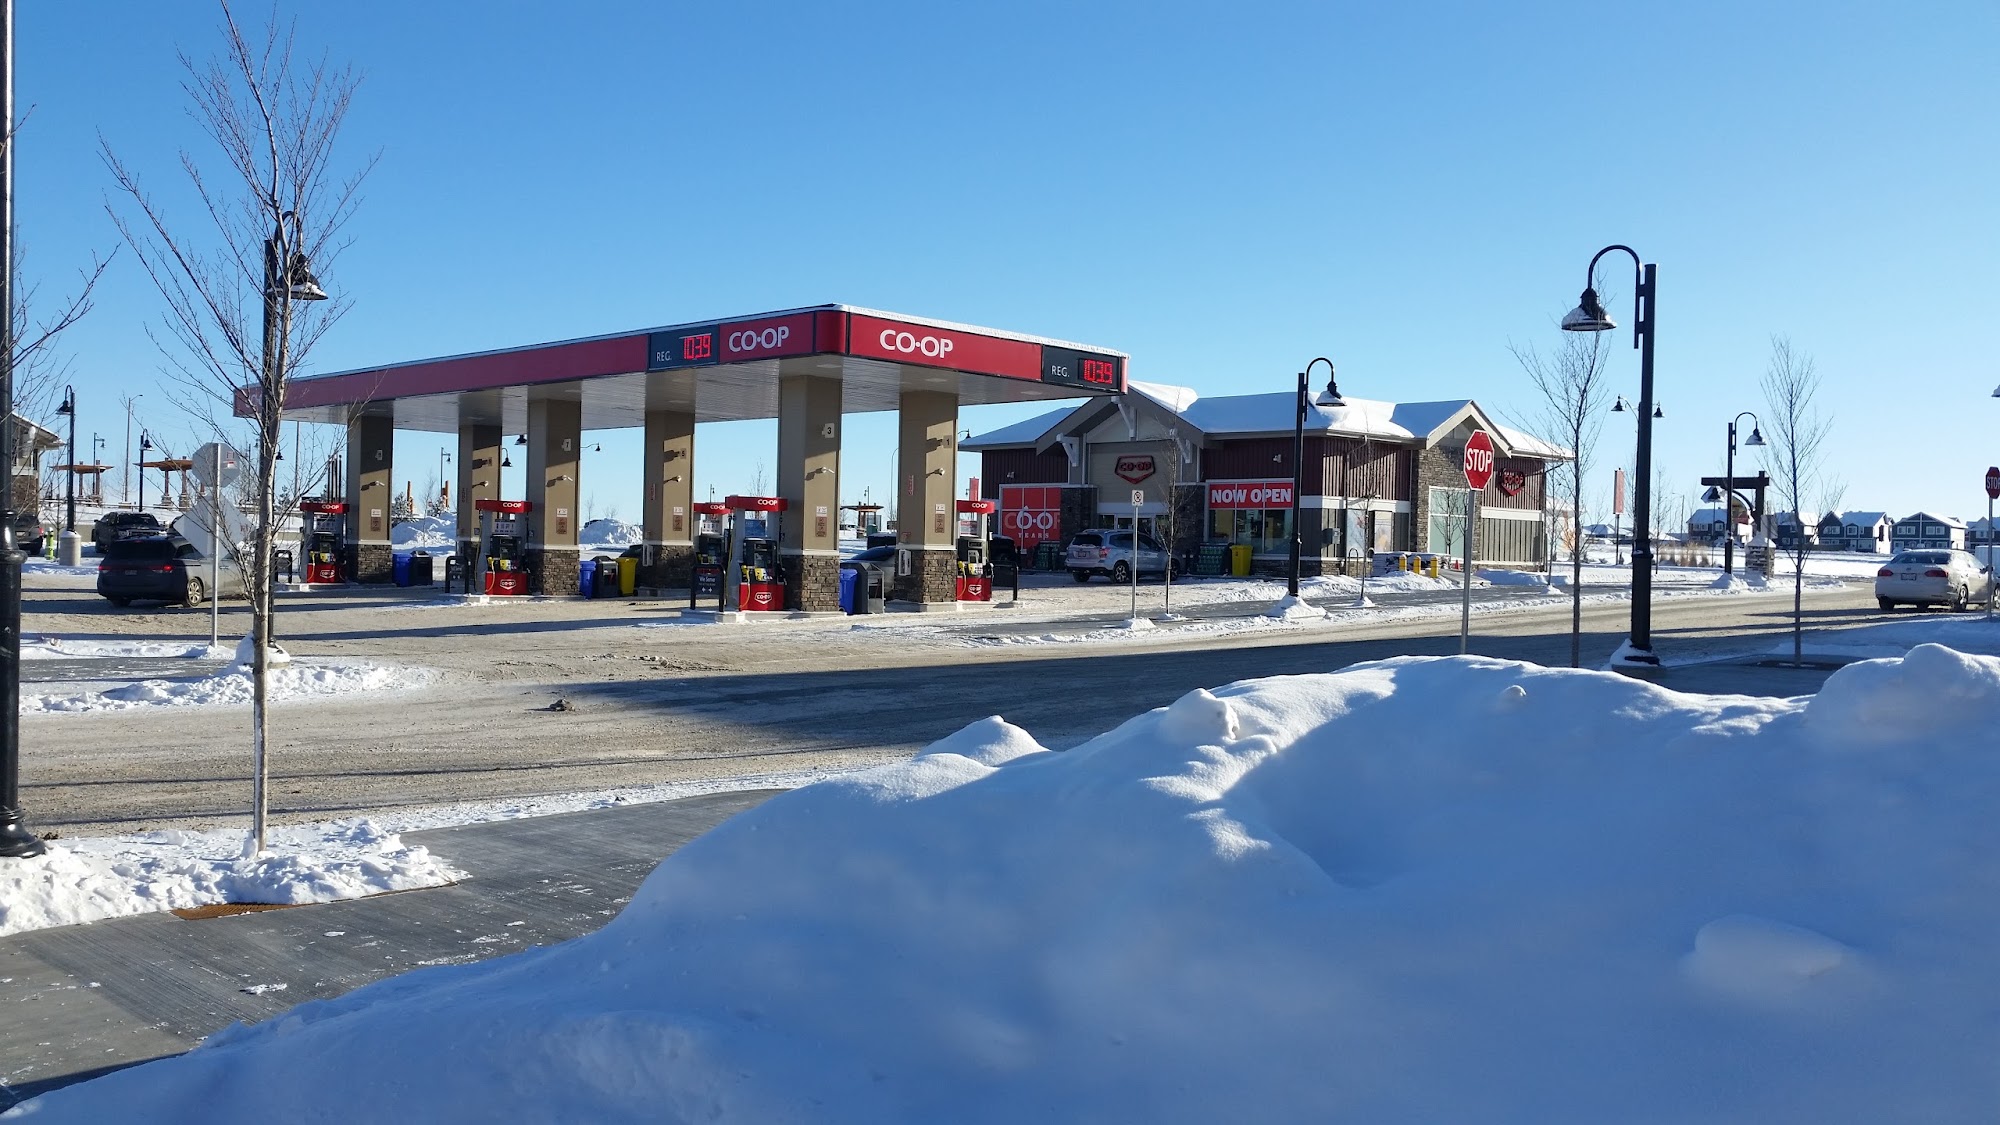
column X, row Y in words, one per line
column 1620, row 406
column 522, row 440
column 1331, row 395
column 1588, row 315
column 1756, row 437
column 1659, row 411
column 1712, row 495
column 506, row 462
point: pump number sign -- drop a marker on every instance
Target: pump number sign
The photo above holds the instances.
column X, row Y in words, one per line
column 1478, row 461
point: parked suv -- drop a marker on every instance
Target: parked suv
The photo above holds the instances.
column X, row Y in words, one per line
column 1110, row 553
column 113, row 526
column 163, row 568
column 1921, row 578
column 30, row 537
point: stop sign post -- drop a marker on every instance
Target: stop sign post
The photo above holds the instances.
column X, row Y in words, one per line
column 1992, row 494
column 1478, row 464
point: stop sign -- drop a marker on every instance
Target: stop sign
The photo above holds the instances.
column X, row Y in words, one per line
column 1478, row 461
column 1993, row 483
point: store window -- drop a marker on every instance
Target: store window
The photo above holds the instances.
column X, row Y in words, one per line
column 1447, row 530
column 1264, row 530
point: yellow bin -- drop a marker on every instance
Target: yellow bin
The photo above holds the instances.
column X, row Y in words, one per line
column 1239, row 560
column 628, row 576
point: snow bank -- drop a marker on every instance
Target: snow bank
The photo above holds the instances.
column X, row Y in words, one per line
column 1419, row 890
column 88, row 880
column 289, row 683
column 426, row 533
column 62, row 648
column 609, row 533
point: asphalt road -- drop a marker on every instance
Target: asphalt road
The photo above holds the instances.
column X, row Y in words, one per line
column 687, row 702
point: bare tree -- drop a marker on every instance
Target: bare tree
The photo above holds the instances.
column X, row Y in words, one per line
column 37, row 367
column 1571, row 383
column 1798, row 433
column 241, row 318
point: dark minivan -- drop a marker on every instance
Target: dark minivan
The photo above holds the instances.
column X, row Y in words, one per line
column 151, row 569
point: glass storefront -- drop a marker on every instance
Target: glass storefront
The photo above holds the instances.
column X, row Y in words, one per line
column 1266, row 531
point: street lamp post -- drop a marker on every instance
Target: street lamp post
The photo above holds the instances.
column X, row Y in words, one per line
column 97, row 445
column 1329, row 397
column 145, row 443
column 1590, row 316
column 69, row 407
column 15, row 839
column 1756, row 438
column 444, row 458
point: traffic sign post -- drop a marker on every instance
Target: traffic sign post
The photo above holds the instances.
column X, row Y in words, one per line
column 1992, row 494
column 1478, row 474
column 1138, row 498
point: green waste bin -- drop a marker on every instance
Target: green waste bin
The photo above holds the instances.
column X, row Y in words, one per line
column 628, row 576
column 1239, row 560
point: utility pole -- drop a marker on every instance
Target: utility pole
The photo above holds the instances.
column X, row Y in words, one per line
column 15, row 839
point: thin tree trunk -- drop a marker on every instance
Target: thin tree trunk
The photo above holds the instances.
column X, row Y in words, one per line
column 1576, row 574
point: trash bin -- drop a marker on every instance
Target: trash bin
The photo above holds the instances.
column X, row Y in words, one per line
column 281, row 563
column 399, row 568
column 1212, row 559
column 421, row 573
column 628, row 575
column 1239, row 560
column 587, row 578
column 876, row 600
column 850, row 586
column 607, row 576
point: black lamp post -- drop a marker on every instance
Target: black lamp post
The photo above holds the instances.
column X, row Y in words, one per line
column 69, row 407
column 1589, row 316
column 1756, row 438
column 15, row 839
column 1329, row 397
column 145, row 443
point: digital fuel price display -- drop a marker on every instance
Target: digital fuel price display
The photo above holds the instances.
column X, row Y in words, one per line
column 688, row 347
column 1069, row 368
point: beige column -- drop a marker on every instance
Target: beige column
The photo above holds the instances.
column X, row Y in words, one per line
column 668, row 519
column 478, row 463
column 555, row 442
column 927, row 425
column 371, row 442
column 809, row 480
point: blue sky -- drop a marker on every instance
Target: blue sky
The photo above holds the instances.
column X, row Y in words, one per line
column 1223, row 192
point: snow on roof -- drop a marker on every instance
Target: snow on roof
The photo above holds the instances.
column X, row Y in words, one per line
column 1948, row 521
column 1273, row 413
column 1860, row 519
column 1424, row 418
column 1021, row 433
column 1707, row 515
column 1176, row 399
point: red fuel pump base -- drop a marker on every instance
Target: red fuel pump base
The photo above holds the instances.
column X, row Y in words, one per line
column 506, row 582
column 322, row 573
column 975, row 589
column 760, row 596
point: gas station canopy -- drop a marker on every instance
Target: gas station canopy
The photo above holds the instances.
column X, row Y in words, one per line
column 718, row 370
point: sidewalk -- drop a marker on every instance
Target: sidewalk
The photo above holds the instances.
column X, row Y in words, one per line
column 84, row 1000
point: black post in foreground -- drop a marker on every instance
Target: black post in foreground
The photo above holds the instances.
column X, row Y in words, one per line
column 1589, row 316
column 15, row 839
column 1328, row 397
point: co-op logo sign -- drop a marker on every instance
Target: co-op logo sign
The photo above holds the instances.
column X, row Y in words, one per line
column 909, row 343
column 758, row 339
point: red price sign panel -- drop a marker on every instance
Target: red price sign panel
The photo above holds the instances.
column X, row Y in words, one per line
column 1478, row 461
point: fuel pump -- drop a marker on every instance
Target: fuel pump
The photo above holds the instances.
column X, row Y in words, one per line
column 711, row 554
column 753, row 572
column 502, row 556
column 975, row 570
column 324, row 538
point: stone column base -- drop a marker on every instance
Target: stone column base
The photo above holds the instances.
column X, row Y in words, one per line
column 374, row 563
column 672, row 567
column 812, row 582
column 933, row 577
column 556, row 571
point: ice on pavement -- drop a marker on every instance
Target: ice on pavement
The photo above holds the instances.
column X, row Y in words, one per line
column 1419, row 890
column 92, row 879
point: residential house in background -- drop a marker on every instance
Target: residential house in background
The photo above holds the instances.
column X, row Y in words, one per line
column 1864, row 533
column 1707, row 525
column 1924, row 531
column 1979, row 533
column 1790, row 527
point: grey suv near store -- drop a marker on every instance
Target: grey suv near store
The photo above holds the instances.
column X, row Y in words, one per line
column 1111, row 554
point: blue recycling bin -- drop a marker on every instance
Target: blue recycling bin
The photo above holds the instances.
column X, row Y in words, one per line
column 399, row 568
column 587, row 578
column 850, row 582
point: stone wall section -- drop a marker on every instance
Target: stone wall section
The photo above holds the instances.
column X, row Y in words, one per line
column 556, row 571
column 933, row 576
column 671, row 567
column 374, row 563
column 812, row 582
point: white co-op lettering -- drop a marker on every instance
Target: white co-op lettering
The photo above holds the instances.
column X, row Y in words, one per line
column 934, row 347
column 753, row 339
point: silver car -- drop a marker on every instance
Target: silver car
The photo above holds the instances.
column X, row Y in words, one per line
column 1921, row 578
column 1110, row 553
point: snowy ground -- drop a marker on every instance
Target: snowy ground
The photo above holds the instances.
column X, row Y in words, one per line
column 1416, row 890
column 227, row 685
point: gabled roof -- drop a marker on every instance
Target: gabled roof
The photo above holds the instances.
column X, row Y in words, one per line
column 1028, row 432
column 1857, row 518
column 1708, row 515
column 1948, row 521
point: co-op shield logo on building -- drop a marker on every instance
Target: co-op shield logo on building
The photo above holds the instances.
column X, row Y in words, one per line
column 1133, row 469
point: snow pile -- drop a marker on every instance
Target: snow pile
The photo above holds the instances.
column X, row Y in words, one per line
column 1419, row 890
column 1292, row 607
column 609, row 533
column 426, row 533
column 62, row 648
column 1739, row 583
column 88, row 880
column 289, row 683
column 1511, row 577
